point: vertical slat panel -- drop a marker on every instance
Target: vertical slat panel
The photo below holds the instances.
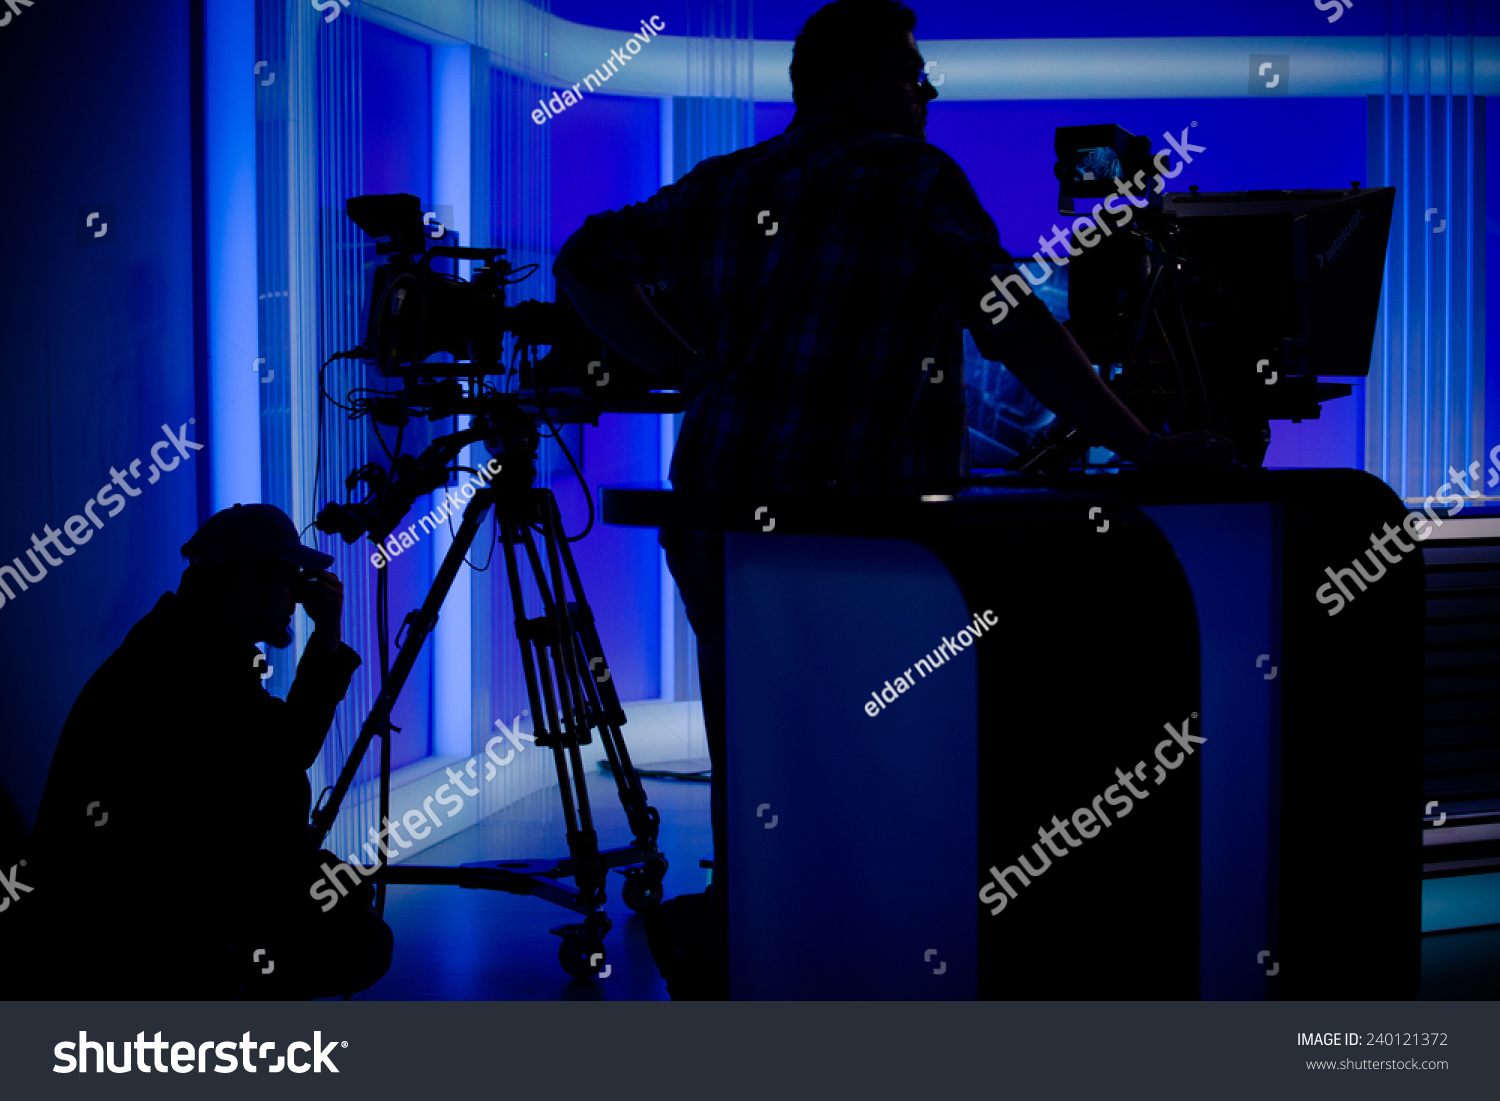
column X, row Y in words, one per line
column 511, row 176
column 312, row 286
column 717, row 115
column 1425, row 411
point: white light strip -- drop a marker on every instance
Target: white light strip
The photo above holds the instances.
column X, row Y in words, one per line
column 235, row 374
column 1477, row 527
column 452, row 664
column 999, row 69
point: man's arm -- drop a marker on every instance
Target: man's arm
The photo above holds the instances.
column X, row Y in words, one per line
column 1048, row 362
column 603, row 264
column 322, row 681
column 625, row 318
column 964, row 252
column 323, row 674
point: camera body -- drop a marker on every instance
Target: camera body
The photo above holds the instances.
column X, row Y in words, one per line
column 414, row 312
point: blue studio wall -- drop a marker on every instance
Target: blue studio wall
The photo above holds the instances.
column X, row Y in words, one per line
column 396, row 118
column 96, row 344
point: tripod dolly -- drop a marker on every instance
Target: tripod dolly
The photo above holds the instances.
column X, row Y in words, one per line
column 567, row 683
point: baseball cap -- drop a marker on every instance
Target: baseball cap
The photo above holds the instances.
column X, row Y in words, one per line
column 243, row 533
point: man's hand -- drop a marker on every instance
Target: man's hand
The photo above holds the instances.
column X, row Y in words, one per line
column 1188, row 449
column 322, row 595
column 1048, row 362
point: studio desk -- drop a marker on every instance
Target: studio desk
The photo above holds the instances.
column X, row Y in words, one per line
column 1278, row 857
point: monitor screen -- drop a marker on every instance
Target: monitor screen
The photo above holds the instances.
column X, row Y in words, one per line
column 1097, row 163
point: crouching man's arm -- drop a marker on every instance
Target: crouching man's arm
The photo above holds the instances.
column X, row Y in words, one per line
column 323, row 674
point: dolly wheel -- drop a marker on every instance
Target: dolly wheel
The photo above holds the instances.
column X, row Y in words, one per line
column 581, row 957
column 642, row 891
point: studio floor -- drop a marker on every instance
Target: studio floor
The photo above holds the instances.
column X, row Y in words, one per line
column 453, row 944
column 458, row 945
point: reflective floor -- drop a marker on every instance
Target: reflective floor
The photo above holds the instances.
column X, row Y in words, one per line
column 1461, row 965
column 453, row 944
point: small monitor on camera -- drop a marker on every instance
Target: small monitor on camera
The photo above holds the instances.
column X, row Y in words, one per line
column 1091, row 158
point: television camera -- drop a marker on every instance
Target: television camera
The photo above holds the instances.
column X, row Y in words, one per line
column 1215, row 311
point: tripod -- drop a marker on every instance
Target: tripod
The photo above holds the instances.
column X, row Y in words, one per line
column 570, row 691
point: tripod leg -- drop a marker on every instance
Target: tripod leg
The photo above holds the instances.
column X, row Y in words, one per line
column 645, row 821
column 645, row 874
column 385, row 813
column 556, row 631
column 421, row 624
column 553, row 697
column 533, row 664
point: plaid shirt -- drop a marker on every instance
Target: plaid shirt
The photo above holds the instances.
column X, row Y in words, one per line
column 828, row 318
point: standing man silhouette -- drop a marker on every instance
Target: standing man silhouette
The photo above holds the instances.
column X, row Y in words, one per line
column 821, row 343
